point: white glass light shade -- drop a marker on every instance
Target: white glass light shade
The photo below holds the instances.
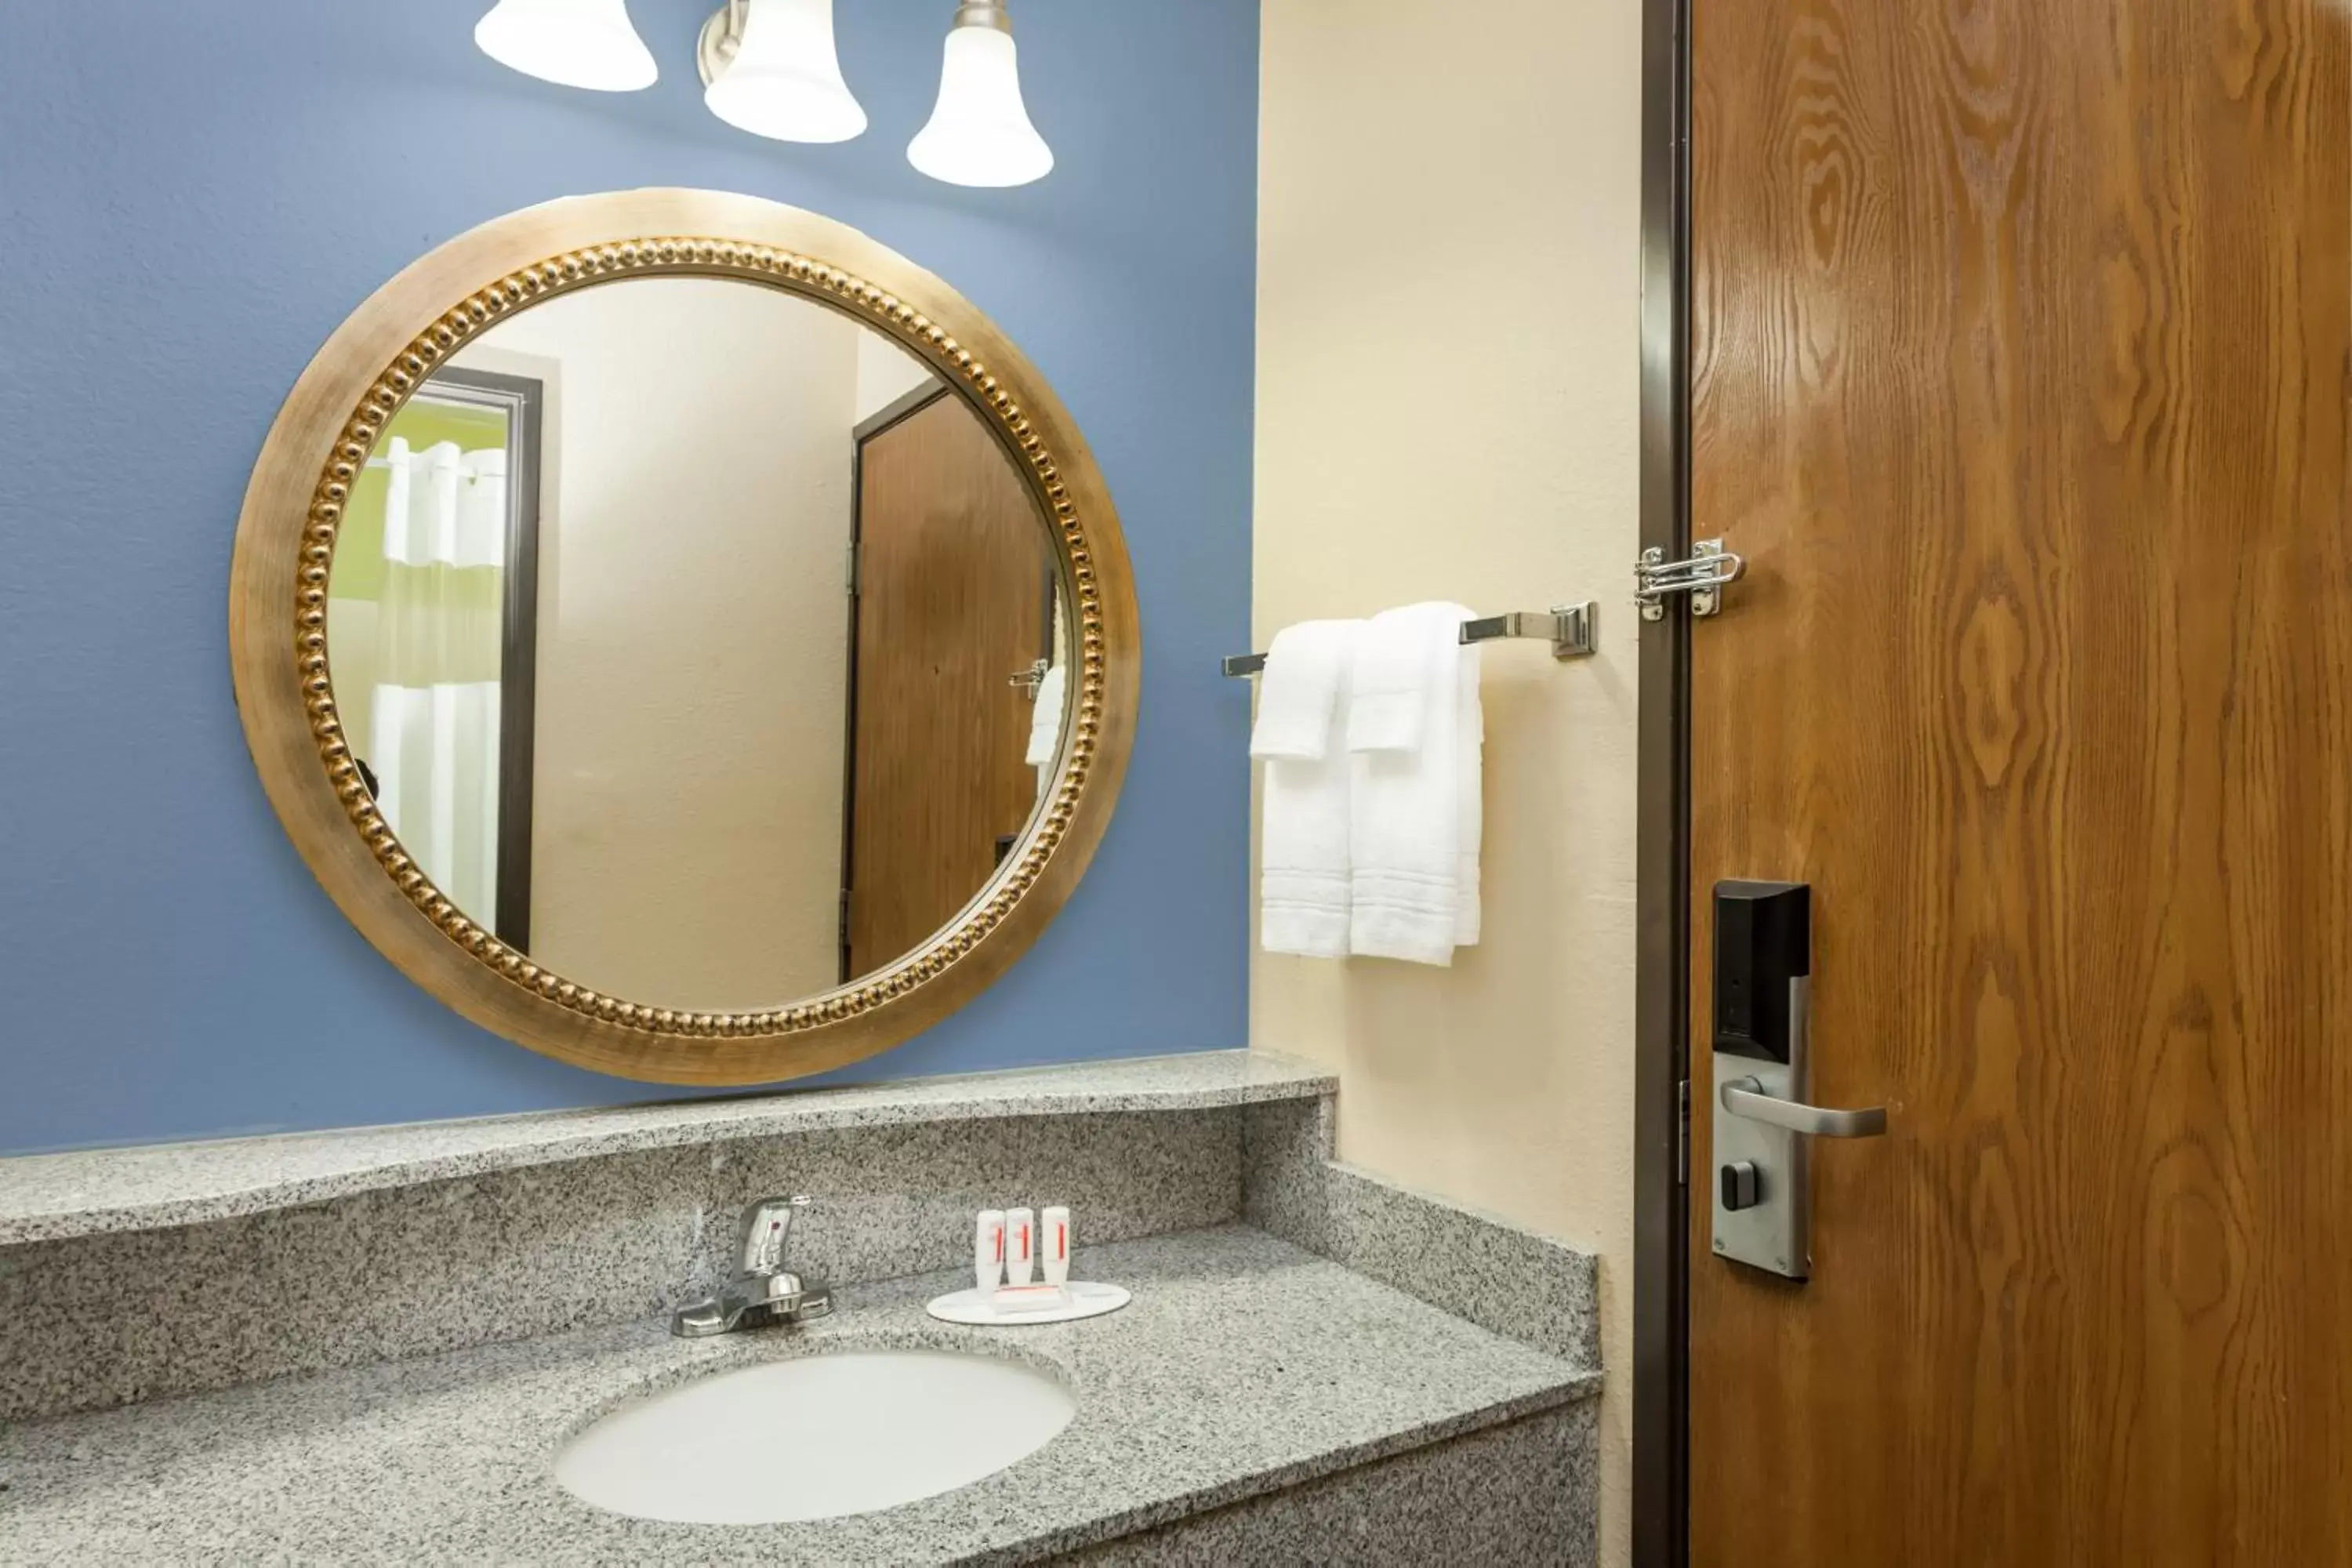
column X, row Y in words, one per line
column 576, row 43
column 979, row 132
column 786, row 79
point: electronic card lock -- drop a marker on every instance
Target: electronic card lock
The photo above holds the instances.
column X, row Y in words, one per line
column 1763, row 1127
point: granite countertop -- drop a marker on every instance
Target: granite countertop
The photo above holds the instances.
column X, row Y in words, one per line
column 1243, row 1365
column 45, row 1197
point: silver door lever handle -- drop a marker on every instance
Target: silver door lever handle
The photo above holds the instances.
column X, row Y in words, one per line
column 1746, row 1097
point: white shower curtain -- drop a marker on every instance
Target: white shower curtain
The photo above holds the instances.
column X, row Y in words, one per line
column 435, row 732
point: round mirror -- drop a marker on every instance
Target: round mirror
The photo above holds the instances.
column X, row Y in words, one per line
column 696, row 640
column 721, row 642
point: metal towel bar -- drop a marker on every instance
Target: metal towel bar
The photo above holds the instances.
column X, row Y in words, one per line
column 1569, row 628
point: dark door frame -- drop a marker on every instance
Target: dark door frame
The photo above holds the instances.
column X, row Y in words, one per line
column 891, row 415
column 898, row 411
column 523, row 400
column 1660, row 1479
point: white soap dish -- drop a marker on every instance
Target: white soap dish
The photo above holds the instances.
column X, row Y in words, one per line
column 1028, row 1304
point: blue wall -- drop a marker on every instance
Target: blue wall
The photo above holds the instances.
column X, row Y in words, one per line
column 192, row 197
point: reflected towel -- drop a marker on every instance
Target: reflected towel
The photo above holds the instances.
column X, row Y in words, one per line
column 1045, row 718
column 1046, row 727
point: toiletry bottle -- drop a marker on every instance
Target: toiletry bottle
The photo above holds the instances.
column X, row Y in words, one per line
column 1054, row 1245
column 1020, row 1244
column 988, row 1251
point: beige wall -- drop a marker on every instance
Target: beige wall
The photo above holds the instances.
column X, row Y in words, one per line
column 1448, row 296
column 886, row 372
column 686, row 846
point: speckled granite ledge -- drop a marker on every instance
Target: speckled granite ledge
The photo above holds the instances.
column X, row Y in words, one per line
column 1517, row 1493
column 615, row 1221
column 1245, row 1365
column 520, row 1253
column 48, row 1198
column 1503, row 1277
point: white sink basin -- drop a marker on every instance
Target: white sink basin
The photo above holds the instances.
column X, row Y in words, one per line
column 815, row 1437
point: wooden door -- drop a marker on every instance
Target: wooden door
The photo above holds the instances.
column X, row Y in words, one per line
column 2018, row 376
column 953, row 599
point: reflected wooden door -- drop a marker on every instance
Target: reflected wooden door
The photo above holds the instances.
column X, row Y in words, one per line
column 2020, row 354
column 952, row 600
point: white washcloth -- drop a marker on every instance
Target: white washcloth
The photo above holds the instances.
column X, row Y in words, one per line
column 1388, row 697
column 1301, row 731
column 1413, row 808
column 1298, row 691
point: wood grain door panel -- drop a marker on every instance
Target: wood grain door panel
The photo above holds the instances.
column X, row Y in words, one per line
column 953, row 577
column 2019, row 355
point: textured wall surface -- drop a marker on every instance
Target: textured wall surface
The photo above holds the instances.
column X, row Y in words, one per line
column 190, row 210
column 1447, row 409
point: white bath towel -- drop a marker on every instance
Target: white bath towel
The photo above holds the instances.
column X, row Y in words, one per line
column 1469, row 805
column 1301, row 734
column 1414, row 820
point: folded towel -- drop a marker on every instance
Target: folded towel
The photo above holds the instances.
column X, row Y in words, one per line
column 1298, row 691
column 1301, row 728
column 1413, row 822
column 1388, row 696
column 1046, row 727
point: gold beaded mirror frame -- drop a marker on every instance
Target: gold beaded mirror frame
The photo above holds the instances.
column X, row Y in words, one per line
column 285, row 548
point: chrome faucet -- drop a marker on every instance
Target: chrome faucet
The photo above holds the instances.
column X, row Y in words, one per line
column 763, row 1291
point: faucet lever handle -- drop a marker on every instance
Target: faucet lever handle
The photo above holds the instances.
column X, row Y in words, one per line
column 762, row 1290
column 767, row 1228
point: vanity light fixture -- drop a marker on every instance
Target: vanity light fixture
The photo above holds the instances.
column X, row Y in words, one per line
column 769, row 66
column 980, row 132
column 573, row 43
column 771, row 69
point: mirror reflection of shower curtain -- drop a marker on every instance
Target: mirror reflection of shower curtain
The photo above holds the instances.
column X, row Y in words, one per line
column 435, row 734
